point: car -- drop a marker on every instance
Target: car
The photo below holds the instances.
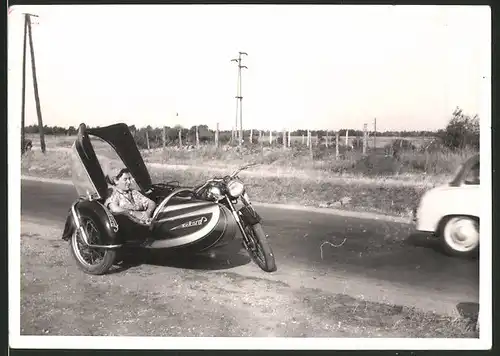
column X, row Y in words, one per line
column 450, row 212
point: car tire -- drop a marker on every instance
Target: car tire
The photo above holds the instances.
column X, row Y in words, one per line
column 459, row 236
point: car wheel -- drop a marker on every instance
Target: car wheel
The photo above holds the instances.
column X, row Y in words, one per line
column 460, row 236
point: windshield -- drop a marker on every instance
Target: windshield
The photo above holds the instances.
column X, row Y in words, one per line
column 81, row 180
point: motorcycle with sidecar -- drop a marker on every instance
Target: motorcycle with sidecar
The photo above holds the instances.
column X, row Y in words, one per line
column 192, row 220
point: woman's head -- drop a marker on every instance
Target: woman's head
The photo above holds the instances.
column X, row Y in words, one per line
column 123, row 179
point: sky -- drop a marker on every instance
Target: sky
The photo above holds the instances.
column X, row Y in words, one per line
column 317, row 67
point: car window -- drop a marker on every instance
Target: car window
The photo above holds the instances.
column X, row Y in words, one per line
column 472, row 177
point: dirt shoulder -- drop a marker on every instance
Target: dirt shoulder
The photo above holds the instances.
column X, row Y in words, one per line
column 214, row 298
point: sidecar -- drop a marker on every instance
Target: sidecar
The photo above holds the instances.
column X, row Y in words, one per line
column 180, row 221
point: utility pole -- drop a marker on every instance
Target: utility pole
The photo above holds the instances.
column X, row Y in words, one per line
column 23, row 113
column 239, row 96
column 27, row 19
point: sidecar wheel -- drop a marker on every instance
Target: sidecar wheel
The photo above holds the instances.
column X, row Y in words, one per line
column 262, row 253
column 91, row 260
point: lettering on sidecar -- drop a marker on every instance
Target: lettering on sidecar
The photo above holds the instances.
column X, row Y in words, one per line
column 192, row 223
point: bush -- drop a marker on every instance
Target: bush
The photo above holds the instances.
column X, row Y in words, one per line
column 461, row 132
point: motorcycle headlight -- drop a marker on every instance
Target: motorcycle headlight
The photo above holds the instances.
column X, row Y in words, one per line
column 214, row 192
column 235, row 188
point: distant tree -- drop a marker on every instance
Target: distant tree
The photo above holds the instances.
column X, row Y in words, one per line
column 462, row 131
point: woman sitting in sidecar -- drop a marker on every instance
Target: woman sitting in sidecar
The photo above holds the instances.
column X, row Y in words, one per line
column 125, row 199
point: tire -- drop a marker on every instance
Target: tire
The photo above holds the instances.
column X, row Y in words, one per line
column 265, row 259
column 459, row 236
column 77, row 246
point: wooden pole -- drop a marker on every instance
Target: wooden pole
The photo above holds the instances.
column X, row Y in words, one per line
column 270, row 137
column 197, row 138
column 35, row 87
column 310, row 146
column 284, row 138
column 364, row 137
column 180, row 138
column 217, row 136
column 308, row 138
column 23, row 111
column 303, row 139
column 337, row 139
column 260, row 136
column 147, row 138
column 251, row 135
column 326, row 139
column 164, row 137
column 289, row 138
column 347, row 138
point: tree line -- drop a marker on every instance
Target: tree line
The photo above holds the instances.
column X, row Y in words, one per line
column 461, row 131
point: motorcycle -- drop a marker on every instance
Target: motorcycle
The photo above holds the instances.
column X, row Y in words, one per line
column 190, row 220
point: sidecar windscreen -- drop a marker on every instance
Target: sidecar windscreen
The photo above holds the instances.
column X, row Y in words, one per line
column 117, row 149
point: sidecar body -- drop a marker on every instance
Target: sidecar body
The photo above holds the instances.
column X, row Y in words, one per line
column 180, row 221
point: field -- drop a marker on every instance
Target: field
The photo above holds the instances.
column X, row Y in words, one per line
column 375, row 182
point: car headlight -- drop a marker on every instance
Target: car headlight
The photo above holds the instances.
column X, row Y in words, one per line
column 235, row 188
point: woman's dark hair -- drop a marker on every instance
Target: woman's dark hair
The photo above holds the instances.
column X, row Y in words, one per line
column 120, row 173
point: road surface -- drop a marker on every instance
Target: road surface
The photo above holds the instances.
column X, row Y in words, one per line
column 368, row 257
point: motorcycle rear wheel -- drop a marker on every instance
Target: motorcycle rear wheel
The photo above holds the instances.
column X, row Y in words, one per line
column 261, row 253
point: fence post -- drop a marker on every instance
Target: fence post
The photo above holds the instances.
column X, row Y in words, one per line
column 180, row 138
column 147, row 138
column 217, row 136
column 337, row 139
column 270, row 138
column 284, row 138
column 251, row 136
column 347, row 138
column 164, row 137
column 197, row 138
column 364, row 137
column 260, row 137
column 303, row 138
column 289, row 138
column 310, row 145
column 308, row 138
column 326, row 139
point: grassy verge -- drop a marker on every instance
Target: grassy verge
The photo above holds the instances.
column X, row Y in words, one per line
column 364, row 194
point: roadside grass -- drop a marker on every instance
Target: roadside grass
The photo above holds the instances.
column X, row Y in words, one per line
column 372, row 183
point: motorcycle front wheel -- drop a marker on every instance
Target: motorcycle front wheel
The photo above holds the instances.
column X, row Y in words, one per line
column 260, row 250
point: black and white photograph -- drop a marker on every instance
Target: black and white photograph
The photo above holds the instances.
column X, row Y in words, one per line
column 249, row 177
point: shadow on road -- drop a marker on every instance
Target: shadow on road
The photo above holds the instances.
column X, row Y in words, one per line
column 423, row 241
column 227, row 257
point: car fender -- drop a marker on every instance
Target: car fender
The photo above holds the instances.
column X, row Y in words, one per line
column 102, row 217
column 441, row 202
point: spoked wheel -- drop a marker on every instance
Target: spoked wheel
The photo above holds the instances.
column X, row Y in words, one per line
column 460, row 236
column 91, row 260
column 259, row 248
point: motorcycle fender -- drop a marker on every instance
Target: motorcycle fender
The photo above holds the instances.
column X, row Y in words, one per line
column 102, row 218
column 69, row 227
column 249, row 215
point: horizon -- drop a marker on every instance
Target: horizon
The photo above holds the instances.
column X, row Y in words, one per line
column 412, row 68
